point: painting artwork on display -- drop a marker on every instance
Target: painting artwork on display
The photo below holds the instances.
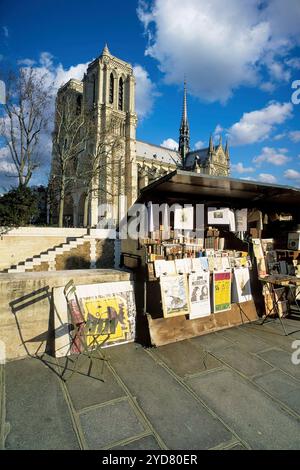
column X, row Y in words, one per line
column 222, row 291
column 199, row 295
column 241, row 290
column 183, row 266
column 104, row 301
column 184, row 217
column 200, row 264
column 174, row 295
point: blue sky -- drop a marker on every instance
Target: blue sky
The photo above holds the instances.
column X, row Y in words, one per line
column 240, row 64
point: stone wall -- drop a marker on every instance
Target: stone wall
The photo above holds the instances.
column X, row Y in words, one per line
column 26, row 310
column 77, row 258
column 25, row 242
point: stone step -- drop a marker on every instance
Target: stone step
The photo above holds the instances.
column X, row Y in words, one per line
column 28, row 265
column 49, row 255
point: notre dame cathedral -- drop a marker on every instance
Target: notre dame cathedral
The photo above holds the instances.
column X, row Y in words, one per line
column 107, row 95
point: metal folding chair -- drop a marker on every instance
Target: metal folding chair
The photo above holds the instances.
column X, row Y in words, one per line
column 88, row 334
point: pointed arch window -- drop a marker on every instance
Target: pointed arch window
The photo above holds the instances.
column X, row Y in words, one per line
column 121, row 94
column 78, row 105
column 94, row 89
column 111, row 88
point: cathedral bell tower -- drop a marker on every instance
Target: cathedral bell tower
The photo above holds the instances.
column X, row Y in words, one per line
column 109, row 96
column 184, row 131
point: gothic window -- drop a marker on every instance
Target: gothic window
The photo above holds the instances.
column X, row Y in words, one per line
column 94, row 89
column 78, row 105
column 121, row 94
column 111, row 88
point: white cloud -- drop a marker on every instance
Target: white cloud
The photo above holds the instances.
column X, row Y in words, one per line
column 256, row 126
column 170, row 144
column 295, row 136
column 278, row 72
column 145, row 92
column 248, row 178
column 280, row 136
column 272, row 156
column 267, row 178
column 26, row 62
column 292, row 175
column 5, row 31
column 294, row 63
column 199, row 145
column 269, row 87
column 6, row 166
column 241, row 169
column 220, row 49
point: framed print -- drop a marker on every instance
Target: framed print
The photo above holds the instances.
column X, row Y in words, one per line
column 241, row 289
column 174, row 295
column 199, row 294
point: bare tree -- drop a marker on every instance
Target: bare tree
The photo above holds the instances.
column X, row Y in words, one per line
column 101, row 168
column 27, row 103
column 69, row 140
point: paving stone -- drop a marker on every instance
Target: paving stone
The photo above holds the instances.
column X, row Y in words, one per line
column 243, row 362
column 271, row 337
column 244, row 341
column 282, row 360
column 253, row 415
column 211, row 342
column 293, row 331
column 277, row 383
column 36, row 409
column 184, row 358
column 292, row 400
column 110, row 423
column 180, row 420
column 145, row 443
column 87, row 391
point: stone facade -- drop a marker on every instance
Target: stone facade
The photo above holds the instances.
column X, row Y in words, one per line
column 106, row 97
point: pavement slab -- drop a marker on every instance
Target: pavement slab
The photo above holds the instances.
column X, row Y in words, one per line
column 109, row 424
column 179, row 419
column 186, row 358
column 243, row 362
column 244, row 341
column 211, row 342
column 272, row 337
column 36, row 409
column 254, row 416
column 87, row 391
column 281, row 360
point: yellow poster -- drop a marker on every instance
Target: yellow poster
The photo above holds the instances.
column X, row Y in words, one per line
column 107, row 309
column 222, row 291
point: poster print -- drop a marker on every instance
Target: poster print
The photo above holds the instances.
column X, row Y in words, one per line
column 183, row 266
column 199, row 295
column 114, row 300
column 174, row 295
column 184, row 217
column 241, row 291
column 200, row 264
column 164, row 267
column 222, row 291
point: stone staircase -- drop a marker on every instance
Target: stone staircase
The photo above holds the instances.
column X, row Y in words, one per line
column 49, row 255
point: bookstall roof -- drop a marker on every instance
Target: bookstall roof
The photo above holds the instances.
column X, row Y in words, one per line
column 185, row 185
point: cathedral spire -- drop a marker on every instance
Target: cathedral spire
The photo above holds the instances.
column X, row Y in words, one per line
column 227, row 150
column 105, row 50
column 211, row 144
column 184, row 131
